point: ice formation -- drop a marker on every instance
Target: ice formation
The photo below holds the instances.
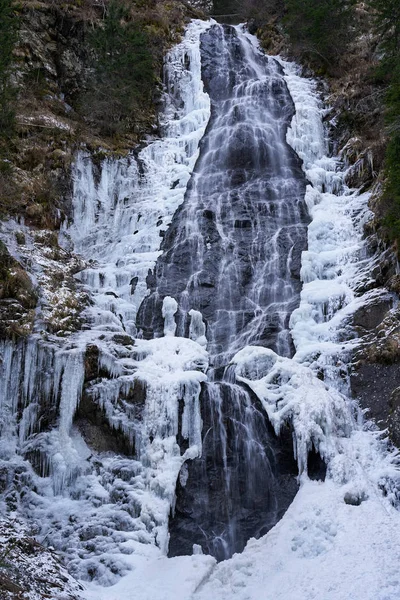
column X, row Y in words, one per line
column 107, row 512
column 116, row 504
column 121, row 213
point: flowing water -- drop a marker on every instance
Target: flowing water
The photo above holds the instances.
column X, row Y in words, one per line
column 233, row 249
column 232, row 253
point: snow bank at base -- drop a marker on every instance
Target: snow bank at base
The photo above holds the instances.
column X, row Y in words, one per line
column 322, row 549
column 160, row 578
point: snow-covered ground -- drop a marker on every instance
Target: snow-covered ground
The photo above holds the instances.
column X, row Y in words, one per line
column 323, row 548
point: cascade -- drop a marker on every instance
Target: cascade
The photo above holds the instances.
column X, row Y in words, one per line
column 233, row 249
column 232, row 254
column 223, row 262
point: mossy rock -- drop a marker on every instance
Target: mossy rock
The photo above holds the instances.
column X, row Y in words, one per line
column 15, row 283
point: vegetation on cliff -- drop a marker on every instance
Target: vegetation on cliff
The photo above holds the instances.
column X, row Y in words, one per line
column 387, row 24
column 123, row 77
column 319, row 30
column 8, row 34
column 72, row 73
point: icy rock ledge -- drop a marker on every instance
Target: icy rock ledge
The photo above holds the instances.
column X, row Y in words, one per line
column 291, row 394
column 336, row 268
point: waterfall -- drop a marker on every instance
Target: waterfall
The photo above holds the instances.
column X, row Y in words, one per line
column 233, row 249
column 208, row 385
column 232, row 253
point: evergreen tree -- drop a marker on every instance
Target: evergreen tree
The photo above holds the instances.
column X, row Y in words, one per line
column 387, row 21
column 319, row 29
column 387, row 18
column 123, row 74
column 8, row 32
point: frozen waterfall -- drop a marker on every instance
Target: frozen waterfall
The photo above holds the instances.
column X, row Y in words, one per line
column 202, row 412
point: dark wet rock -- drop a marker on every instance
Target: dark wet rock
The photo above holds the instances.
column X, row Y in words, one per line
column 372, row 314
column 94, row 426
column 243, row 482
column 91, row 362
column 133, row 283
column 394, row 415
column 375, row 376
column 316, row 466
column 124, row 340
column 354, row 498
column 372, row 385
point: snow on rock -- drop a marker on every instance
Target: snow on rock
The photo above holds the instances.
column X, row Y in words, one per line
column 291, row 394
column 30, row 571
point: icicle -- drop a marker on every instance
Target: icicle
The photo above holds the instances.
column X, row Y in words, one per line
column 169, row 309
column 197, row 329
column 72, row 366
column 117, row 220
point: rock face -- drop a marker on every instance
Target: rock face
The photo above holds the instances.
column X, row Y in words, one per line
column 18, row 296
column 375, row 377
column 375, row 374
column 243, row 484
